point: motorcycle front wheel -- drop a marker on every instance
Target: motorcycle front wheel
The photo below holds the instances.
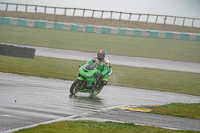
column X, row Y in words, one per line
column 76, row 86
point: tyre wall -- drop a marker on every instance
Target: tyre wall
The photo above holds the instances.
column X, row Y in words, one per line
column 16, row 51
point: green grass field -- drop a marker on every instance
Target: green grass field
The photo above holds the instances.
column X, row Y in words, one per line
column 179, row 110
column 169, row 49
column 98, row 127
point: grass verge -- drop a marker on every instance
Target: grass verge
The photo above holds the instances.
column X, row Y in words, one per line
column 169, row 49
column 145, row 78
column 179, row 110
column 97, row 127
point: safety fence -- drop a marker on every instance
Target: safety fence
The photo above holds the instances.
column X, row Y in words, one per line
column 98, row 29
column 152, row 18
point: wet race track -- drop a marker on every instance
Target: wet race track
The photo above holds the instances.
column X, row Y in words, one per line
column 27, row 100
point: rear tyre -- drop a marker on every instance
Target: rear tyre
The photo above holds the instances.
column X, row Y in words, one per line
column 76, row 86
column 97, row 90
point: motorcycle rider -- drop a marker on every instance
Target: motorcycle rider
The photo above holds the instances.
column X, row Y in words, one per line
column 102, row 63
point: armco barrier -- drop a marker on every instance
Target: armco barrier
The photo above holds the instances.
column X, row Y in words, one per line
column 16, row 51
column 99, row 29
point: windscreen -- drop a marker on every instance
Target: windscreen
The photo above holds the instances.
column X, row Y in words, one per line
column 91, row 66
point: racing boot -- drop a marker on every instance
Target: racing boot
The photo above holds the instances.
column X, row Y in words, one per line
column 104, row 81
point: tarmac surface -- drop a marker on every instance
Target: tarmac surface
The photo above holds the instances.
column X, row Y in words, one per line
column 28, row 101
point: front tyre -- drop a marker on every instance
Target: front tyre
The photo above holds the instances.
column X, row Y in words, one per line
column 76, row 86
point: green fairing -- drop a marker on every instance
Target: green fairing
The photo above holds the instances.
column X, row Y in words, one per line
column 88, row 74
column 81, row 78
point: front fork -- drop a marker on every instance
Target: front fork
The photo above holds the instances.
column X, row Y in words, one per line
column 83, row 85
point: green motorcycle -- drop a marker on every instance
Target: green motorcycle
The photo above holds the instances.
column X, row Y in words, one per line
column 89, row 80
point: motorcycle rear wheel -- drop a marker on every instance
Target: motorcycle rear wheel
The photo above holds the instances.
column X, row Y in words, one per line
column 97, row 90
column 75, row 87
